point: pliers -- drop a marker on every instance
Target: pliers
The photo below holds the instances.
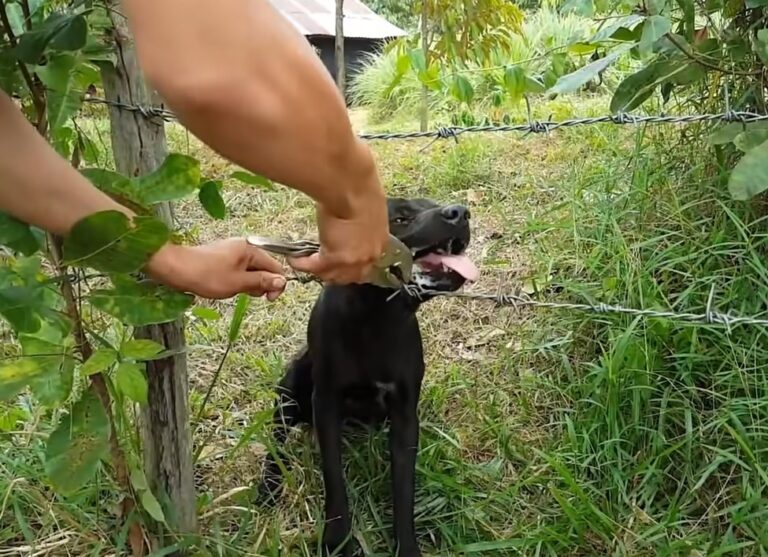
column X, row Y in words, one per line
column 392, row 270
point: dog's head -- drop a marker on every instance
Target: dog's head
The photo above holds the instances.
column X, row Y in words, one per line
column 437, row 236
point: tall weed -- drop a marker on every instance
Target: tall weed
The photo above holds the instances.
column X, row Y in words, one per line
column 666, row 430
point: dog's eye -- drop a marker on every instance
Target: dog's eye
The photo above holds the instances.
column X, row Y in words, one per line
column 401, row 220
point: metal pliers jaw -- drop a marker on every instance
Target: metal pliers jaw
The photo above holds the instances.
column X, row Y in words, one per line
column 392, row 270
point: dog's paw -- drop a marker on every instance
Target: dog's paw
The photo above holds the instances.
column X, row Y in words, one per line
column 338, row 540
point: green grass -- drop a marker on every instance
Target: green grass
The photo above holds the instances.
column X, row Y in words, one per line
column 543, row 432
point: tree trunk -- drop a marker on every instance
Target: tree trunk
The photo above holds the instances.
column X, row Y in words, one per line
column 139, row 147
column 341, row 66
column 424, row 111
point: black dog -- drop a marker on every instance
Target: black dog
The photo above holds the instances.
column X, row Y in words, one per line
column 364, row 361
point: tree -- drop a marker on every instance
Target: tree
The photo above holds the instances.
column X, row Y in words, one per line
column 341, row 65
column 452, row 34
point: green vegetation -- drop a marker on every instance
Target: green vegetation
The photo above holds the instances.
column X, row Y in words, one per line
column 544, row 432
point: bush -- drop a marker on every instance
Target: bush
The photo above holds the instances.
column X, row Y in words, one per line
column 544, row 32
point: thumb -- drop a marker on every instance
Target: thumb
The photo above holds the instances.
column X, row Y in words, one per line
column 257, row 283
column 312, row 264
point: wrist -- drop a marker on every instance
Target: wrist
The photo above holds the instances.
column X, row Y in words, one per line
column 165, row 265
column 360, row 188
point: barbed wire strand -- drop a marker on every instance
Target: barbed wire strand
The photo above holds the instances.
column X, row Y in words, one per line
column 519, row 300
column 709, row 317
column 532, row 126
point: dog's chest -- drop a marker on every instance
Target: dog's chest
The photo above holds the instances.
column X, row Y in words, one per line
column 367, row 403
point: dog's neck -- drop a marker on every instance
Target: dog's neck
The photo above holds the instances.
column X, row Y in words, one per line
column 376, row 297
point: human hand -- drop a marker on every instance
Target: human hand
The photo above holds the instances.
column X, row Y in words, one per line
column 218, row 270
column 349, row 246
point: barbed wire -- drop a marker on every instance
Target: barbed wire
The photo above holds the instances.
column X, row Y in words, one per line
column 532, row 126
column 521, row 300
column 516, row 301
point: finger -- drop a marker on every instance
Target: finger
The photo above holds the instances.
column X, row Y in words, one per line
column 260, row 260
column 314, row 264
column 274, row 295
column 257, row 283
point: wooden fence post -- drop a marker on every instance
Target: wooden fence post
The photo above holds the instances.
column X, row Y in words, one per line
column 139, row 147
column 341, row 62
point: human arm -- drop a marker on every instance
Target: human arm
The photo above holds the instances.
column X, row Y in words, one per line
column 40, row 188
column 241, row 79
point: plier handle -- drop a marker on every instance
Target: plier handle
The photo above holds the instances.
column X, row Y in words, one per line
column 392, row 270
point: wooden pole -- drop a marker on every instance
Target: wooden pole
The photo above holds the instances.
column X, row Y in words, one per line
column 139, row 147
column 341, row 65
column 425, row 49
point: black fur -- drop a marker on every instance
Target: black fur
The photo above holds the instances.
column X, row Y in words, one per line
column 364, row 361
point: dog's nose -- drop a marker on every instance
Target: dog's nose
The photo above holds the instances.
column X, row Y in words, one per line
column 455, row 214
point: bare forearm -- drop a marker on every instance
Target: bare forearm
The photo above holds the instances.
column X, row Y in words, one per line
column 244, row 81
column 37, row 186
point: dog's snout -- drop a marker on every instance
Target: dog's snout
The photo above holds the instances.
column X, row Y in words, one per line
column 455, row 214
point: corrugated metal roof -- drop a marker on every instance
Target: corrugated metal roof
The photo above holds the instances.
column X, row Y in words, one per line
column 318, row 18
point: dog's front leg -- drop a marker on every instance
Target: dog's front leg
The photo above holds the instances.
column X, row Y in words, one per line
column 403, row 446
column 327, row 418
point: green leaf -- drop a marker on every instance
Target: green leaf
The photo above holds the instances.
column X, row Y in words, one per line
column 141, row 349
column 418, row 60
column 15, row 17
column 141, row 303
column 76, row 446
column 113, row 184
column 748, row 140
column 634, row 90
column 431, row 78
column 64, row 99
column 750, row 177
column 73, row 36
column 752, row 4
column 403, row 64
column 17, row 235
column 60, row 31
column 241, row 307
column 655, row 27
column 515, row 82
column 760, row 45
column 139, row 480
column 655, row 7
column 101, row 360
column 10, row 78
column 177, row 177
column 534, row 85
column 16, row 375
column 57, row 366
column 109, row 242
column 19, row 305
column 211, row 200
column 727, row 133
column 206, row 314
column 462, row 89
column 253, row 180
column 152, row 506
column 130, row 380
column 621, row 29
column 584, row 8
column 579, row 78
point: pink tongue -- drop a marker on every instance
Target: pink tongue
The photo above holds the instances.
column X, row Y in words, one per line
column 458, row 263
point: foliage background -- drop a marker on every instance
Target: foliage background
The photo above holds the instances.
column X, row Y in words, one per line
column 549, row 434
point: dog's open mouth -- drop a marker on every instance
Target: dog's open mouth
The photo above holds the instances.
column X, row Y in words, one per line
column 446, row 260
